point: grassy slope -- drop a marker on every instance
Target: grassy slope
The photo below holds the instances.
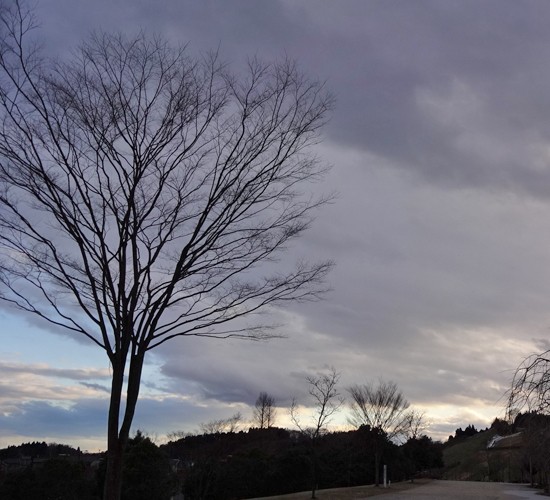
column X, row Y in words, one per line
column 467, row 460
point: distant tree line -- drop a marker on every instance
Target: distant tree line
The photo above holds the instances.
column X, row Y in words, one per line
column 275, row 461
column 223, row 461
column 38, row 449
column 40, row 471
column 468, row 431
column 224, row 465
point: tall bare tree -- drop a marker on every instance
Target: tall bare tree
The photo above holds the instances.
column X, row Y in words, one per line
column 141, row 189
column 264, row 411
column 383, row 409
column 323, row 389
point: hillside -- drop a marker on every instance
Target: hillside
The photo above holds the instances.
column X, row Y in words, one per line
column 467, row 459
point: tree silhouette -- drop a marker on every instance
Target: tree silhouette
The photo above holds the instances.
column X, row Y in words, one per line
column 141, row 189
column 264, row 411
column 323, row 389
column 382, row 409
column 530, row 393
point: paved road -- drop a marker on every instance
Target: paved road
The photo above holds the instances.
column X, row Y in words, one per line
column 465, row 490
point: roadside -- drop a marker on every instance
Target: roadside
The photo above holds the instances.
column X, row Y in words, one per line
column 354, row 493
column 425, row 489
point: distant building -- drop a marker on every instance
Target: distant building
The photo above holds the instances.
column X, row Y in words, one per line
column 505, row 458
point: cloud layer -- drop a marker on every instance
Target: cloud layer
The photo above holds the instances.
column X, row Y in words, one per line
column 441, row 231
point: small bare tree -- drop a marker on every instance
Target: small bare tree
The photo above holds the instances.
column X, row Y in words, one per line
column 177, row 435
column 141, row 190
column 222, row 425
column 264, row 411
column 326, row 403
column 383, row 409
column 415, row 424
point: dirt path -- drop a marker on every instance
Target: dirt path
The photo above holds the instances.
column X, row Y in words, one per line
column 425, row 490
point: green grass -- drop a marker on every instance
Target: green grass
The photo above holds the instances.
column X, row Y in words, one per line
column 467, row 460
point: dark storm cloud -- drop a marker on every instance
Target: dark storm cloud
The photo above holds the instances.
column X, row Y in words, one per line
column 41, row 418
column 438, row 87
column 454, row 91
column 87, row 418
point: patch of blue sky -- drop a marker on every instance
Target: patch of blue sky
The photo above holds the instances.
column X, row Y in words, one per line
column 27, row 342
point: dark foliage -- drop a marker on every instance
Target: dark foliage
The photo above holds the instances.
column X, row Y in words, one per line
column 38, row 449
column 530, row 419
column 501, row 427
column 40, row 471
column 535, row 433
column 264, row 462
column 260, row 462
column 56, row 478
column 423, row 455
column 469, row 431
column 147, row 473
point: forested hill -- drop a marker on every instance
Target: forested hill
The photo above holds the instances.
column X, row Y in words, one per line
column 264, row 462
column 38, row 449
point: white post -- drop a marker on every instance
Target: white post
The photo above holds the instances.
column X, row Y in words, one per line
column 385, row 476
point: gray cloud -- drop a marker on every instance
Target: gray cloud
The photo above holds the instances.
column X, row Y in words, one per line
column 8, row 368
column 441, row 233
column 41, row 418
column 456, row 93
column 87, row 418
column 97, row 387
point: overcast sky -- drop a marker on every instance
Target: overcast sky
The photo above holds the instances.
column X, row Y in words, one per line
column 440, row 153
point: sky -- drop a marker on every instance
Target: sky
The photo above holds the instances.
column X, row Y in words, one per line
column 440, row 151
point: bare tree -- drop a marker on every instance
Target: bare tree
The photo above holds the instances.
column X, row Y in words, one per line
column 383, row 409
column 326, row 402
column 264, row 411
column 530, row 393
column 230, row 424
column 177, row 435
column 140, row 191
column 530, row 387
column 414, row 424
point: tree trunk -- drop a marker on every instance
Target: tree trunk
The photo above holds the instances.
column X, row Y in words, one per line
column 376, row 468
column 118, row 439
column 314, row 471
column 112, row 489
